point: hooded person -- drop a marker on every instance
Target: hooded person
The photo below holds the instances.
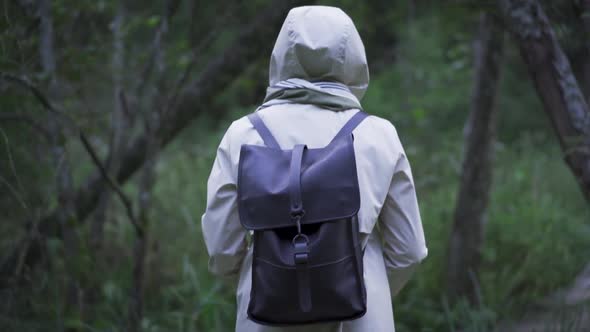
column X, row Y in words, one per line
column 318, row 75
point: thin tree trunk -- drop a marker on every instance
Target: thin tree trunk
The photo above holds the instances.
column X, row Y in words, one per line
column 63, row 177
column 555, row 82
column 46, row 49
column 146, row 181
column 140, row 249
column 585, row 17
column 170, row 10
column 467, row 234
column 64, row 182
column 118, row 123
column 135, row 311
column 63, row 174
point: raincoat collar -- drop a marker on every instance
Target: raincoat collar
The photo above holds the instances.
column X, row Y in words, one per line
column 331, row 95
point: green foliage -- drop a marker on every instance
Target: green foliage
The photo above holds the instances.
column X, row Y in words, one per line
column 536, row 234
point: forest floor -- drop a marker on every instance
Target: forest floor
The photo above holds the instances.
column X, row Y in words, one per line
column 565, row 310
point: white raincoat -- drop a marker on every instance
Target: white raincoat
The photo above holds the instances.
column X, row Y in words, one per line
column 321, row 43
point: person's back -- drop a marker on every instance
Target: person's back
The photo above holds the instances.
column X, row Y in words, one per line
column 318, row 73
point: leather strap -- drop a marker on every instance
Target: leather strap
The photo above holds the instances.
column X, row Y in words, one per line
column 300, row 241
column 263, row 131
column 301, row 258
column 349, row 126
column 295, row 180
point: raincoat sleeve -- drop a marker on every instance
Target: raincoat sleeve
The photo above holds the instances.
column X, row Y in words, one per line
column 224, row 236
column 401, row 226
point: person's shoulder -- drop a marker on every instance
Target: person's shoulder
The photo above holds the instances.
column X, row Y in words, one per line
column 381, row 126
column 382, row 134
column 239, row 127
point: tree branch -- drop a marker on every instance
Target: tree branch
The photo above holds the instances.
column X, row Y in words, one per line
column 29, row 120
column 95, row 159
column 105, row 175
column 170, row 11
column 39, row 95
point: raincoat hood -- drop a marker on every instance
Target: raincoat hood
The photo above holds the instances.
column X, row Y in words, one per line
column 320, row 43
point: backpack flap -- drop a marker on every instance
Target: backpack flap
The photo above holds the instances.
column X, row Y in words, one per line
column 329, row 185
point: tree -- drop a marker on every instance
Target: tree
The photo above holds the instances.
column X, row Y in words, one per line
column 584, row 14
column 118, row 134
column 467, row 234
column 555, row 83
column 253, row 41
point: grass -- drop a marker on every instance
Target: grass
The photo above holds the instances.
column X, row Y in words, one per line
column 537, row 234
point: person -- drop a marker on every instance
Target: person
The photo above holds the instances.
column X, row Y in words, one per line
column 318, row 74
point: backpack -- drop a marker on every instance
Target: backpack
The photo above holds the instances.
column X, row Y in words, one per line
column 302, row 207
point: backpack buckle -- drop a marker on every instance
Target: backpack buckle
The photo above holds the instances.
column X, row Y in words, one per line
column 301, row 249
column 301, row 259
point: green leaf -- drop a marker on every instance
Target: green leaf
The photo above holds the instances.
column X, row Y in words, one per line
column 152, row 21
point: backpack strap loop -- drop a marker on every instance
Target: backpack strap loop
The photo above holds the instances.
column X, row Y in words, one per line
column 349, row 126
column 263, row 131
column 295, row 182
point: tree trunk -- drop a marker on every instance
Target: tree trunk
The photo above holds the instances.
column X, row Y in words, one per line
column 63, row 175
column 555, row 82
column 146, row 180
column 118, row 124
column 135, row 311
column 585, row 17
column 64, row 181
column 467, row 235
column 140, row 250
column 46, row 49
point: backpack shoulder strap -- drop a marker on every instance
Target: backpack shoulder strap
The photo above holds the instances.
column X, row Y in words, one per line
column 349, row 126
column 271, row 142
column 263, row 131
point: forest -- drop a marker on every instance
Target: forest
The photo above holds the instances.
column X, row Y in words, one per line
column 111, row 112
